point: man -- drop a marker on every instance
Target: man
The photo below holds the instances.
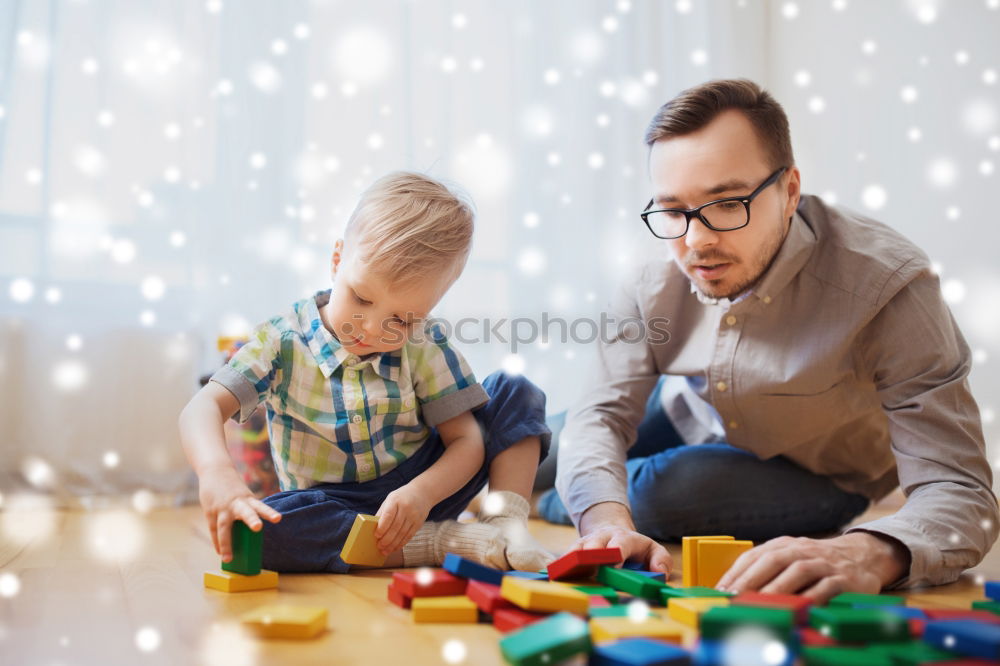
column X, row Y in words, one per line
column 811, row 358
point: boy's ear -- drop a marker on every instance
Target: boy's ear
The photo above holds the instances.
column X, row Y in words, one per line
column 338, row 250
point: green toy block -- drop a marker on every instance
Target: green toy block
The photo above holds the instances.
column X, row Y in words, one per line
column 547, row 641
column 671, row 592
column 716, row 623
column 631, row 582
column 912, row 653
column 844, row 656
column 991, row 606
column 621, row 610
column 603, row 591
column 855, row 599
column 859, row 625
column 248, row 548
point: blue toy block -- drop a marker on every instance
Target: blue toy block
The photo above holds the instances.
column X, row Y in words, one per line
column 970, row 638
column 530, row 575
column 901, row 611
column 992, row 589
column 639, row 652
column 637, row 567
column 460, row 566
column 724, row 653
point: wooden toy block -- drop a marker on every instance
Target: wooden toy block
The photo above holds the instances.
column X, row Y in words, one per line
column 720, row 653
column 991, row 589
column 668, row 593
column 989, row 606
column 609, row 594
column 622, row 610
column 630, row 582
column 958, row 614
column 509, row 619
column 968, row 638
column 798, row 605
column 540, row 596
column 429, row 583
column 286, row 621
column 719, row 622
column 858, row 625
column 547, row 641
column 248, row 549
column 472, row 570
column 905, row 611
column 813, row 638
column 689, row 557
column 688, row 610
column 360, row 546
column 487, row 597
column 598, row 602
column 844, row 656
column 715, row 558
column 444, row 609
column 397, row 597
column 579, row 564
column 227, row 581
column 639, row 652
column 614, row 628
column 532, row 575
column 857, row 599
column 913, row 652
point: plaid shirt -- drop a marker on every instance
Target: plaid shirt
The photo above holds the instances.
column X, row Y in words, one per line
column 334, row 416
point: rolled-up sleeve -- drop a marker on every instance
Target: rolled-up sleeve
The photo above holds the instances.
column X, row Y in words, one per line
column 443, row 382
column 252, row 370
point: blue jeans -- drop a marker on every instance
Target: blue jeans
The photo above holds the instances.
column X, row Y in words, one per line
column 677, row 490
column 315, row 522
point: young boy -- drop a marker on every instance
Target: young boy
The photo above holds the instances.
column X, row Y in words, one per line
column 371, row 410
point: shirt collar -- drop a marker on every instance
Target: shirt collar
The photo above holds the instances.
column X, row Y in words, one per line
column 328, row 351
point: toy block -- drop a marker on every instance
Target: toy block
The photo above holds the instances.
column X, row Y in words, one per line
column 668, row 593
column 487, row 597
column 286, row 621
column 844, row 656
column 904, row 611
column 547, row 641
column 360, row 546
column 444, row 609
column 718, row 622
column 634, row 610
column 509, row 619
column 989, row 606
column 639, row 652
column 608, row 594
column 715, row 558
column 530, row 575
column 991, row 589
column 578, row 564
column 397, row 597
column 598, row 602
column 614, row 628
column 688, row 610
column 429, row 583
column 472, row 570
column 689, row 557
column 248, row 549
column 227, row 581
column 912, row 653
column 540, row 596
column 858, row 625
column 856, row 599
column 630, row 582
column 968, row 638
column 985, row 617
column 811, row 637
column 637, row 567
column 798, row 605
column 720, row 653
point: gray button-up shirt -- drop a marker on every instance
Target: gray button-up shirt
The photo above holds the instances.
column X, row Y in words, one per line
column 843, row 358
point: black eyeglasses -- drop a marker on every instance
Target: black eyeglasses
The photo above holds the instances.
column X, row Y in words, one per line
column 726, row 214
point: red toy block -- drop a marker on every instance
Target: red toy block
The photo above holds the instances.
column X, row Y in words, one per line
column 429, row 583
column 813, row 638
column 793, row 602
column 486, row 596
column 510, row 619
column 598, row 602
column 398, row 598
column 583, row 563
column 959, row 614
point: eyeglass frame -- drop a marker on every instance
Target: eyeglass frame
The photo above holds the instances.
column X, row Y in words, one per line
column 691, row 212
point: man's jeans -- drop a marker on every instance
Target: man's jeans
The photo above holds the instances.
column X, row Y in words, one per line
column 677, row 490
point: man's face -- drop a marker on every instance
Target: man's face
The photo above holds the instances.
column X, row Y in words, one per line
column 723, row 159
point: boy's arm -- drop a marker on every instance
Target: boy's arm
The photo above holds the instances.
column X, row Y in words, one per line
column 405, row 509
column 223, row 495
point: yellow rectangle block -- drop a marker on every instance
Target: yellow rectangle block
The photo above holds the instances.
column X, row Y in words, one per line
column 360, row 545
column 285, row 621
column 542, row 596
column 688, row 610
column 444, row 609
column 715, row 558
column 689, row 557
column 228, row 581
column 615, row 628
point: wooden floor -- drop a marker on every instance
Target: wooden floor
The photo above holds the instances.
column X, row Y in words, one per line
column 73, row 607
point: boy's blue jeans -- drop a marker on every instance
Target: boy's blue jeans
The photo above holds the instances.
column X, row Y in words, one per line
column 677, row 490
column 315, row 522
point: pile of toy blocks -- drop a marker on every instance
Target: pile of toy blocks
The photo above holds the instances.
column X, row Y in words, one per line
column 586, row 605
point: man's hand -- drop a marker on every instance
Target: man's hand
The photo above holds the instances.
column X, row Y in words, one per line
column 225, row 498
column 609, row 525
column 819, row 568
column 402, row 513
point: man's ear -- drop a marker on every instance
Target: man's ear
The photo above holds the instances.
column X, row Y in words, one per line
column 794, row 192
column 338, row 251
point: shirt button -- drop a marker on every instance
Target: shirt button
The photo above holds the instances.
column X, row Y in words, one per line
column 365, row 467
column 767, row 299
column 721, row 386
column 734, row 425
column 356, row 418
column 730, row 320
column 408, row 402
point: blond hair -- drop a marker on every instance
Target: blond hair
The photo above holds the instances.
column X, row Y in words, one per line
column 409, row 226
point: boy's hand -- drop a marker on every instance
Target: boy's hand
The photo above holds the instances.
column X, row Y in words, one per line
column 225, row 498
column 400, row 516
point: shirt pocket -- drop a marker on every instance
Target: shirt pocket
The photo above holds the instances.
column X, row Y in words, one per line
column 402, row 405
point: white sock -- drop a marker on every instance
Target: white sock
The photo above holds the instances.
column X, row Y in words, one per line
column 474, row 541
column 509, row 512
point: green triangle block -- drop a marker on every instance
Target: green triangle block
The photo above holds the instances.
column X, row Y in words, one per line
column 547, row 641
column 858, row 625
column 718, row 622
column 248, row 548
column 852, row 599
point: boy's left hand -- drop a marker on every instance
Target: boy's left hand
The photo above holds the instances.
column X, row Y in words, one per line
column 400, row 516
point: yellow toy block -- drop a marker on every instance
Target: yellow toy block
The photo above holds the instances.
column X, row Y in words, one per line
column 543, row 596
column 230, row 581
column 360, row 546
column 285, row 621
column 615, row 628
column 444, row 609
column 689, row 557
column 688, row 610
column 715, row 558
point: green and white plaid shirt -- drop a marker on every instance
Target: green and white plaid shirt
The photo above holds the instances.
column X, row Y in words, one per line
column 334, row 416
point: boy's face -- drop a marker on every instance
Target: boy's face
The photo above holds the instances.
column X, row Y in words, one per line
column 370, row 315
